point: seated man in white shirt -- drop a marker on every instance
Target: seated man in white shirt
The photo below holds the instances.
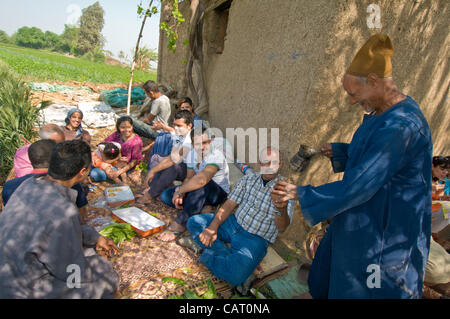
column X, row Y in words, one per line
column 207, row 183
column 159, row 111
column 165, row 170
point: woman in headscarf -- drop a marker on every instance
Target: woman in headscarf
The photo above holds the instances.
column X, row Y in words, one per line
column 73, row 130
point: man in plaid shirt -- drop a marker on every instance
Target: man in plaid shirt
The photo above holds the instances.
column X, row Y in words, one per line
column 257, row 219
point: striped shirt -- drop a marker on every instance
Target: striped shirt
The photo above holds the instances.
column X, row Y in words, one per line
column 255, row 212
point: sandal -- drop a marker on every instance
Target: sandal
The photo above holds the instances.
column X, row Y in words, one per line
column 142, row 201
column 190, row 243
column 167, row 231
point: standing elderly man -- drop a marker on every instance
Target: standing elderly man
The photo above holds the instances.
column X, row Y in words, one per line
column 378, row 241
column 255, row 223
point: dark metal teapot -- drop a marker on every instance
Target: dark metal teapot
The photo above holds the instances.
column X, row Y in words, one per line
column 301, row 159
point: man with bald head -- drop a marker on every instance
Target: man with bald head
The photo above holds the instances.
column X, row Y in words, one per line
column 249, row 220
column 377, row 243
column 22, row 164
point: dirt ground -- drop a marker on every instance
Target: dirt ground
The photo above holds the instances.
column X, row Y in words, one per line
column 145, row 263
column 78, row 94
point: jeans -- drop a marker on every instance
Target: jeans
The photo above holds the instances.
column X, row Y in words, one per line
column 163, row 179
column 99, row 175
column 154, row 160
column 210, row 194
column 234, row 264
column 144, row 130
column 163, row 144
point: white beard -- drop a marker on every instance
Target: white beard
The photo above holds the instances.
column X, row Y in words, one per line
column 268, row 170
column 368, row 109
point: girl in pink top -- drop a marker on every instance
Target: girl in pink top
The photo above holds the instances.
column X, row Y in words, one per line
column 131, row 146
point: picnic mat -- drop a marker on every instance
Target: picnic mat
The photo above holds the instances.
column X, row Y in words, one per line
column 143, row 263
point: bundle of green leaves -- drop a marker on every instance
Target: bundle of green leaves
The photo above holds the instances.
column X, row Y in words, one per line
column 189, row 294
column 118, row 232
column 143, row 167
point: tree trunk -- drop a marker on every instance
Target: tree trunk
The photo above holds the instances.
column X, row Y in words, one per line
column 195, row 61
column 133, row 65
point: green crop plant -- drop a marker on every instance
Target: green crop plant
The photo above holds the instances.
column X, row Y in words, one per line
column 18, row 117
column 49, row 66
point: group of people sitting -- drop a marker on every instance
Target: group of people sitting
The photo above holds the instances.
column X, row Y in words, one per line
column 437, row 274
column 46, row 247
column 43, row 234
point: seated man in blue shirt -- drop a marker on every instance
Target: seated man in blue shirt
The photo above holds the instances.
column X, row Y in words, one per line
column 257, row 219
column 163, row 142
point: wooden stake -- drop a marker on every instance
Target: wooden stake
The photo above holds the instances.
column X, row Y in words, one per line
column 133, row 65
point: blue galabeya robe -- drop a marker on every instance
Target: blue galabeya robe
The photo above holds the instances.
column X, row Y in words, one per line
column 377, row 243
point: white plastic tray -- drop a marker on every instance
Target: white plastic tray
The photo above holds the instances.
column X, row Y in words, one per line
column 138, row 218
column 121, row 194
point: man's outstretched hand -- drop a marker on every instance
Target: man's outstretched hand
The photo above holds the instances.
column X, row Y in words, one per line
column 284, row 191
column 326, row 150
column 108, row 247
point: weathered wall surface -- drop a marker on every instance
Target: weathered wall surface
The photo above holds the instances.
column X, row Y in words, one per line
column 171, row 66
column 283, row 63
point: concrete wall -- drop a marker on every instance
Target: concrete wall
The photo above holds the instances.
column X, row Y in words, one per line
column 283, row 63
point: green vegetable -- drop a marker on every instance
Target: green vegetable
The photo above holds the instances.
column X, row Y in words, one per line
column 175, row 280
column 186, row 269
column 211, row 293
column 188, row 294
column 143, row 167
column 118, row 232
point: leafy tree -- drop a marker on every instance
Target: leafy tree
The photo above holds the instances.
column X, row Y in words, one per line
column 69, row 39
column 30, row 37
column 122, row 57
column 4, row 38
column 91, row 25
column 108, row 53
column 145, row 56
column 52, row 40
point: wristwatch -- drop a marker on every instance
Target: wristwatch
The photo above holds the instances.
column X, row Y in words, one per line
column 278, row 213
column 177, row 191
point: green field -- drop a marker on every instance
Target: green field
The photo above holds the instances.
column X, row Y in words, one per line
column 48, row 66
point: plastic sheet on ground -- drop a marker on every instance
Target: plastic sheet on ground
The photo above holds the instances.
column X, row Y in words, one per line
column 95, row 114
column 36, row 86
column 119, row 97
